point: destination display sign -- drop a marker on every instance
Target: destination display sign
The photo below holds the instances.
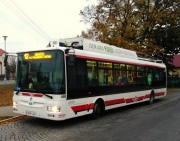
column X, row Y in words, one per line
column 37, row 55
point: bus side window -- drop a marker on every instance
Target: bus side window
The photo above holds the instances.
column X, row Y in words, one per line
column 134, row 77
column 92, row 73
column 93, row 82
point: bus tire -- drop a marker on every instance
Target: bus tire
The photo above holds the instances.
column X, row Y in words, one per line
column 151, row 99
column 97, row 110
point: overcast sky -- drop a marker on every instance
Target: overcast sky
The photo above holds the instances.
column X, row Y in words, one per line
column 56, row 18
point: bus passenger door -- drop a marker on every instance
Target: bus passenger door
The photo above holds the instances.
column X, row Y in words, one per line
column 76, row 89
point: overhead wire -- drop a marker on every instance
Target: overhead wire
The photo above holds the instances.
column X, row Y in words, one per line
column 27, row 22
column 29, row 18
column 15, row 25
column 22, row 18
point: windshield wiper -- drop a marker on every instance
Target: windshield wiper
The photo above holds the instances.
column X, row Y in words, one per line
column 17, row 92
column 48, row 95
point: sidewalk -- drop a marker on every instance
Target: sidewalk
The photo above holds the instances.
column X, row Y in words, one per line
column 7, row 82
column 7, row 111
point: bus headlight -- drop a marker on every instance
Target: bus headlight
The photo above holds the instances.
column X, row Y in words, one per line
column 14, row 104
column 53, row 108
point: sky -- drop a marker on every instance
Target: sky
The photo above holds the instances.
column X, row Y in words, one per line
column 31, row 24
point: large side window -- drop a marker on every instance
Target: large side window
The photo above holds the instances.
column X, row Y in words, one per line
column 141, row 77
column 155, row 74
column 131, row 74
column 123, row 72
column 120, row 76
column 117, row 74
column 105, row 74
column 158, row 77
column 149, row 76
column 92, row 73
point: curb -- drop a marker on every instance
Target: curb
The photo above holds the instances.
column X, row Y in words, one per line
column 13, row 119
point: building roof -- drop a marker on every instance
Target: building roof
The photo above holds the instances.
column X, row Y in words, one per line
column 176, row 61
column 1, row 52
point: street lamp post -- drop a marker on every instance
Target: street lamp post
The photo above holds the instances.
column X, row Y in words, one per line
column 148, row 11
column 5, row 80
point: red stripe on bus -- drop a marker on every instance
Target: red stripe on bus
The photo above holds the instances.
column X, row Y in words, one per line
column 82, row 107
column 147, row 96
column 38, row 95
column 31, row 94
column 156, row 94
column 78, row 108
column 90, row 106
column 159, row 93
column 25, row 94
column 129, row 100
column 140, row 98
column 134, row 99
column 116, row 101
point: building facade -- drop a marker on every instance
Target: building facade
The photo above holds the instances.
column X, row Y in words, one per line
column 176, row 63
column 2, row 68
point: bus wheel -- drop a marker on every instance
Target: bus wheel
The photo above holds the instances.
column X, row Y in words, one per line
column 151, row 100
column 97, row 110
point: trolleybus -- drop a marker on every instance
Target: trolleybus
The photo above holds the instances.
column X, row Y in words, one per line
column 76, row 76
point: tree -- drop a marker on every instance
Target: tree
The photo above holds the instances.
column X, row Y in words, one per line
column 160, row 28
column 149, row 26
column 112, row 22
column 11, row 67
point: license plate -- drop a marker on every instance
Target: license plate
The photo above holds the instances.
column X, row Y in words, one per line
column 30, row 113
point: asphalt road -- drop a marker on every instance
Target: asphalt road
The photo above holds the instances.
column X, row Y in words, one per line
column 140, row 122
column 157, row 124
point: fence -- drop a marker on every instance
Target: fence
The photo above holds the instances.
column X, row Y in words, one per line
column 173, row 82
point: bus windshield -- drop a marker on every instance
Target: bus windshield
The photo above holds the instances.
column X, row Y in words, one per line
column 40, row 72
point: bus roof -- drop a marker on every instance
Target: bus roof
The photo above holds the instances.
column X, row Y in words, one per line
column 99, row 47
column 94, row 46
column 101, row 51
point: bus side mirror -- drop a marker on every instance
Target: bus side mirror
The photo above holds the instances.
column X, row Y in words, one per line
column 72, row 60
column 5, row 60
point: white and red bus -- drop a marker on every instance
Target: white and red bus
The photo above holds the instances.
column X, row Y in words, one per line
column 75, row 77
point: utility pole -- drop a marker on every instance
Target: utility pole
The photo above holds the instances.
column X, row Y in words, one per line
column 5, row 80
column 148, row 11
